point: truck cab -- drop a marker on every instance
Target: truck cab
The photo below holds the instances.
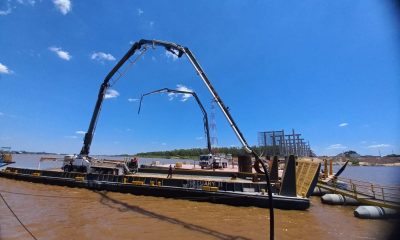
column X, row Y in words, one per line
column 213, row 161
column 205, row 161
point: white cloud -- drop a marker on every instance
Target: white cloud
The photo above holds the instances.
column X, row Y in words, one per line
column 27, row 2
column 199, row 138
column 379, row 146
column 1, row 114
column 9, row 5
column 185, row 96
column 6, row 11
column 343, row 124
column 72, row 137
column 64, row 6
column 336, row 146
column 164, row 144
column 151, row 23
column 80, row 132
column 140, row 11
column 101, row 56
column 169, row 54
column 133, row 99
column 171, row 96
column 4, row 69
column 111, row 93
column 60, row 53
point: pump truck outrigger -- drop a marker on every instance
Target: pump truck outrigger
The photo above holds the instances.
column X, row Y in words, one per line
column 83, row 160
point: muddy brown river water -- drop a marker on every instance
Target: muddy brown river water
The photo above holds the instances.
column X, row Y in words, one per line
column 54, row 212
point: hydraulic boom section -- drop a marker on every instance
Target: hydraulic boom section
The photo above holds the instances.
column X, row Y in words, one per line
column 137, row 46
column 205, row 117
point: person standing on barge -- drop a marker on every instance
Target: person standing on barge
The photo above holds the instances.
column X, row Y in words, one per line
column 169, row 172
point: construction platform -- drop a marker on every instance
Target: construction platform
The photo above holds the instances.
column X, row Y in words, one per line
column 206, row 188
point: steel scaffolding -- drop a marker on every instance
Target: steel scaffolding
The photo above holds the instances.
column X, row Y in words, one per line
column 281, row 144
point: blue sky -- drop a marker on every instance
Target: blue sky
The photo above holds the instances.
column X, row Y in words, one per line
column 329, row 69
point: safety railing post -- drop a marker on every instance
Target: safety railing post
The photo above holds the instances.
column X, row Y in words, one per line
column 334, row 184
column 355, row 191
column 383, row 195
column 373, row 191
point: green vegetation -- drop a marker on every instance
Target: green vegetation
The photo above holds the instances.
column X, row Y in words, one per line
column 354, row 162
column 350, row 152
column 194, row 153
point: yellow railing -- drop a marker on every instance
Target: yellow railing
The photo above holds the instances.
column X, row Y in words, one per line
column 367, row 189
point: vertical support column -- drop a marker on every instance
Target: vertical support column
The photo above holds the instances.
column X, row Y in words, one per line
column 244, row 163
column 274, row 169
column 285, row 152
column 289, row 178
column 330, row 167
column 325, row 168
column 273, row 143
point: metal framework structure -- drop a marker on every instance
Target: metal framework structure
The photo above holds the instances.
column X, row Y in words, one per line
column 213, row 126
column 281, row 144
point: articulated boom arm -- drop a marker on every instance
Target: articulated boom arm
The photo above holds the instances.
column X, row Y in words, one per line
column 205, row 117
column 178, row 50
column 172, row 47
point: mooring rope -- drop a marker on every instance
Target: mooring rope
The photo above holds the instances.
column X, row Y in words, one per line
column 15, row 215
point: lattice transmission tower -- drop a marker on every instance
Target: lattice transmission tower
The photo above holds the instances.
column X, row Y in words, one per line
column 213, row 126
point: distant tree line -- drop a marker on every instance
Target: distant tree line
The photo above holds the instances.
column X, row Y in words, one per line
column 393, row 155
column 195, row 152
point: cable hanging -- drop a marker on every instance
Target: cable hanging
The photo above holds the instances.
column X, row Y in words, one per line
column 8, row 206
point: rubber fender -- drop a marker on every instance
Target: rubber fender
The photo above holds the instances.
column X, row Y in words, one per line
column 319, row 191
column 337, row 199
column 375, row 212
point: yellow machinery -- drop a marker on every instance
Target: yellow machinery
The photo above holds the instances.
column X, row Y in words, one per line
column 5, row 156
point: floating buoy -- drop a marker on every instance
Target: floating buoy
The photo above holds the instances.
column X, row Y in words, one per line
column 374, row 212
column 337, row 199
column 319, row 191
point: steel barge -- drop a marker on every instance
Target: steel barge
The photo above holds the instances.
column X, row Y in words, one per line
column 232, row 192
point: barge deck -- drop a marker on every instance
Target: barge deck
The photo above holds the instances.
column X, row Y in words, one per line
column 215, row 189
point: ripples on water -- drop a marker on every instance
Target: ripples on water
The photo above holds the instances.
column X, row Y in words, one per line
column 53, row 212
